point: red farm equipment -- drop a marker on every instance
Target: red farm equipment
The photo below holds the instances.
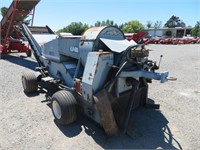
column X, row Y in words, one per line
column 16, row 13
column 137, row 37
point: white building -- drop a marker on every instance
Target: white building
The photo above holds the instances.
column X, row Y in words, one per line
column 178, row 32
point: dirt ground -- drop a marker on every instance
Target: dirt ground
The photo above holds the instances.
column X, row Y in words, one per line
column 26, row 121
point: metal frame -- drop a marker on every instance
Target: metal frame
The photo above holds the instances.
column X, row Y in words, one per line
column 9, row 18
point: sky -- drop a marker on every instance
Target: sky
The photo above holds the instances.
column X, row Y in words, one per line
column 60, row 13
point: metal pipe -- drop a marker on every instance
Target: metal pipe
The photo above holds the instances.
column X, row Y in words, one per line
column 33, row 16
column 33, row 43
column 111, row 83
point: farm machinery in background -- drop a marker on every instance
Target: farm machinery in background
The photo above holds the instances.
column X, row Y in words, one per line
column 141, row 38
column 99, row 74
column 174, row 41
column 137, row 37
column 10, row 38
column 184, row 40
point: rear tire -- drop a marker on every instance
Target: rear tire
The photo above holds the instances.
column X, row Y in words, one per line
column 64, row 107
column 29, row 82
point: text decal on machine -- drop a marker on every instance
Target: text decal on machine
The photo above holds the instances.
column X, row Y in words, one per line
column 74, row 49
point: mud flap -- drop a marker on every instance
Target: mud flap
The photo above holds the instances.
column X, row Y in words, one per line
column 106, row 113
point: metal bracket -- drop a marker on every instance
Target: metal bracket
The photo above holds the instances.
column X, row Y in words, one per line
column 146, row 74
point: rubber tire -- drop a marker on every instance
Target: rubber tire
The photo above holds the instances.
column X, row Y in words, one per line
column 68, row 104
column 29, row 82
column 29, row 53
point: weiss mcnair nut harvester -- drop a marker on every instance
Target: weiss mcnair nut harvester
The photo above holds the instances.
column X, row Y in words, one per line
column 101, row 73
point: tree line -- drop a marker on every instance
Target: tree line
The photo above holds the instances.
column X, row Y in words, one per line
column 78, row 28
column 134, row 26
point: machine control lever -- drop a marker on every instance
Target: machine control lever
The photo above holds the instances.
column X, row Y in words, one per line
column 160, row 61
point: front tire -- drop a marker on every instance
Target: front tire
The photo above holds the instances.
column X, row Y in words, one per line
column 64, row 107
column 29, row 82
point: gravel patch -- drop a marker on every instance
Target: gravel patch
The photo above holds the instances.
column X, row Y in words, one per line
column 26, row 121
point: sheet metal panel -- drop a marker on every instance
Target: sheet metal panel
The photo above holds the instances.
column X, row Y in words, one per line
column 95, row 73
column 118, row 45
column 109, row 32
column 44, row 38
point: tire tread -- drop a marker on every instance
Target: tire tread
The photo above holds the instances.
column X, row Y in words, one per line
column 30, row 81
column 68, row 104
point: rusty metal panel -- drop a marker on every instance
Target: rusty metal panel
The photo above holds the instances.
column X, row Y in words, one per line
column 92, row 33
column 95, row 73
column 109, row 32
column 90, row 41
column 27, row 4
column 106, row 113
column 40, row 30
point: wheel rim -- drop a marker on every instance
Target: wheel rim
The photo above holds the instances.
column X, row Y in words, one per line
column 24, row 83
column 56, row 109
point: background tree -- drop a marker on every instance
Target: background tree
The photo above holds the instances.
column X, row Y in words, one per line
column 196, row 30
column 108, row 23
column 133, row 27
column 3, row 11
column 121, row 26
column 97, row 24
column 168, row 33
column 76, row 28
column 157, row 24
column 174, row 22
column 149, row 24
column 105, row 23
